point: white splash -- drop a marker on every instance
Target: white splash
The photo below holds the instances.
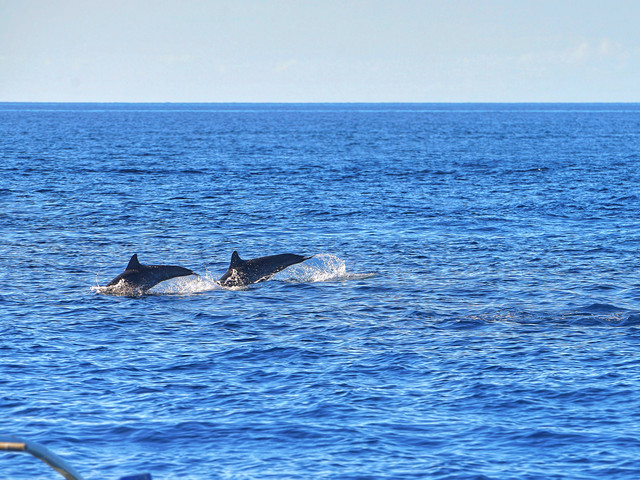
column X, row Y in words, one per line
column 322, row 267
column 187, row 285
column 120, row 289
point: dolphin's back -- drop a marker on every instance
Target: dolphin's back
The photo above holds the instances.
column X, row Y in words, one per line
column 245, row 272
column 155, row 274
column 144, row 277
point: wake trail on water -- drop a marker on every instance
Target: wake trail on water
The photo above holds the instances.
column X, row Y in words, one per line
column 322, row 267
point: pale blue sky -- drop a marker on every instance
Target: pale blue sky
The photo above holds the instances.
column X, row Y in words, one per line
column 320, row 51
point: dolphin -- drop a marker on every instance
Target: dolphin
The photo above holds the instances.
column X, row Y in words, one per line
column 143, row 277
column 245, row 272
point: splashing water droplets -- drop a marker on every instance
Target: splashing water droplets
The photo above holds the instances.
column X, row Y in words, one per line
column 187, row 285
column 322, row 267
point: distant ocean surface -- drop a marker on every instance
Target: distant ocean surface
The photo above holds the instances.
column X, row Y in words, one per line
column 472, row 311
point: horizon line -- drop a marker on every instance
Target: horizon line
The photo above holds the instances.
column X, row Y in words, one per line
column 108, row 102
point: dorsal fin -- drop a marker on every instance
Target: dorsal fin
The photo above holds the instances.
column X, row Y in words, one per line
column 235, row 260
column 134, row 264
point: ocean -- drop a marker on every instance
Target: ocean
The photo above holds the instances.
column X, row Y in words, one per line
column 472, row 310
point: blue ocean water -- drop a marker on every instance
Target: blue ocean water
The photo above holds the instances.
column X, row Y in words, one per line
column 472, row 312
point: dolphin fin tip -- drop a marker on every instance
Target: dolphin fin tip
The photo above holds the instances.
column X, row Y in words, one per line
column 235, row 259
column 133, row 262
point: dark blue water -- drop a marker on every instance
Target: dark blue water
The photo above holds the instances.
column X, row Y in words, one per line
column 473, row 310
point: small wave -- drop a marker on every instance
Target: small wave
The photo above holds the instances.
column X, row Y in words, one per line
column 632, row 320
column 601, row 308
column 596, row 315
